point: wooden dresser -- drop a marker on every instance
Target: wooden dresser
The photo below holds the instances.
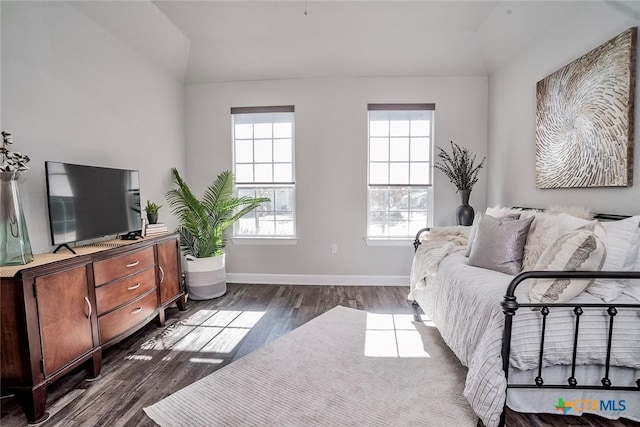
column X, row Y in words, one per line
column 59, row 311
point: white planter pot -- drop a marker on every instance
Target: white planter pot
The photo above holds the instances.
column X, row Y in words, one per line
column 206, row 277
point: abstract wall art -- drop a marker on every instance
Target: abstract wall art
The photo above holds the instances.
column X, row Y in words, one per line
column 584, row 119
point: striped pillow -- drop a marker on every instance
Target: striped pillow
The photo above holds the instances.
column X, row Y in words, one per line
column 579, row 250
column 623, row 243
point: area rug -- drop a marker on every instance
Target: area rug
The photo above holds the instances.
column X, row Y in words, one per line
column 346, row 367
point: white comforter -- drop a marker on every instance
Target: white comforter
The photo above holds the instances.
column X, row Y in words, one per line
column 464, row 303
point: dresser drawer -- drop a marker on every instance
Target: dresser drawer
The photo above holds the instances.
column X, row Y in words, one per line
column 118, row 321
column 114, row 268
column 120, row 292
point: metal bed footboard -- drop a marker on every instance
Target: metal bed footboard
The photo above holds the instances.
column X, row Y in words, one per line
column 510, row 306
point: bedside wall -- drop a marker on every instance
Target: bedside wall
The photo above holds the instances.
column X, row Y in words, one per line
column 512, row 107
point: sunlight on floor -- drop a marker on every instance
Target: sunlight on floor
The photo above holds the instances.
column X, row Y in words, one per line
column 198, row 317
column 394, row 335
column 208, row 336
column 209, row 361
column 206, row 332
column 138, row 357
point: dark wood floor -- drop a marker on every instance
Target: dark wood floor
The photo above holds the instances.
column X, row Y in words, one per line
column 156, row 362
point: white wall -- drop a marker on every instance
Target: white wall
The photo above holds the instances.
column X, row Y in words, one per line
column 1, row 68
column 331, row 162
column 72, row 92
column 512, row 100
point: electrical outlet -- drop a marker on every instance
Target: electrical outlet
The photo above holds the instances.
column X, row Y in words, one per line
column 334, row 248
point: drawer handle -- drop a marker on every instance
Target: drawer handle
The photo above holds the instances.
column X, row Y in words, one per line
column 161, row 274
column 133, row 264
column 132, row 288
column 88, row 304
column 136, row 311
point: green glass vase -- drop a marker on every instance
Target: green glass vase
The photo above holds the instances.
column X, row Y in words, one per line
column 15, row 247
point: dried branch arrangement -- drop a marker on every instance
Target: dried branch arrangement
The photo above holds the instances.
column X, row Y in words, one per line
column 459, row 166
column 12, row 160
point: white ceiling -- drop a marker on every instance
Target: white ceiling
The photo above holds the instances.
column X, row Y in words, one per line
column 215, row 41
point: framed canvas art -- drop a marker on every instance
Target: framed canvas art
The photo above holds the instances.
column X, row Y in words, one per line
column 584, row 119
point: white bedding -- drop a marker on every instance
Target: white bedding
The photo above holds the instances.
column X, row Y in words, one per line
column 545, row 400
column 464, row 303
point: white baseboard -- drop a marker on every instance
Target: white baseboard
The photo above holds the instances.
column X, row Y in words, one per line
column 315, row 279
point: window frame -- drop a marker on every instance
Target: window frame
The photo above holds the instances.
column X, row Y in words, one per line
column 386, row 240
column 271, row 186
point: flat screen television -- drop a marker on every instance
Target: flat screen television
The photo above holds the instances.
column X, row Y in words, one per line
column 89, row 202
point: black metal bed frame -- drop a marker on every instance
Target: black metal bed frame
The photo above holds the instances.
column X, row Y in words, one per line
column 510, row 305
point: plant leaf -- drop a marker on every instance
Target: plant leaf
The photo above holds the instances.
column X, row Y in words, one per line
column 203, row 222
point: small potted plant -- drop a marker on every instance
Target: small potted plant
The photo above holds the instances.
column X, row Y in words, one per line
column 152, row 211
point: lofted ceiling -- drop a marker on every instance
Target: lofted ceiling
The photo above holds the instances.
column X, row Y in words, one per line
column 221, row 41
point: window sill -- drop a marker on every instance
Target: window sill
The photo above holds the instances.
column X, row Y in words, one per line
column 276, row 241
column 405, row 241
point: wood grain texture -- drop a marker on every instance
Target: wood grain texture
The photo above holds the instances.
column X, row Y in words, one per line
column 120, row 266
column 63, row 314
column 168, row 265
column 147, row 366
column 117, row 293
column 11, row 363
column 118, row 321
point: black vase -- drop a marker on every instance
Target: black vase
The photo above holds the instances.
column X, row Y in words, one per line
column 152, row 217
column 464, row 212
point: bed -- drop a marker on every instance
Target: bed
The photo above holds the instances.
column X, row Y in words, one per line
column 578, row 357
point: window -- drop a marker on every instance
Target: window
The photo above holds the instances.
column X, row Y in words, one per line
column 400, row 150
column 263, row 161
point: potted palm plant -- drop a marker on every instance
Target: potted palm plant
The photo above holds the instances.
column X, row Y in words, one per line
column 202, row 226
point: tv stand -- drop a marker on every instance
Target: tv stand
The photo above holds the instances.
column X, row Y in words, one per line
column 62, row 246
column 61, row 311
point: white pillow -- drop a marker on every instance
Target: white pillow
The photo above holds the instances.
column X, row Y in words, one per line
column 633, row 290
column 623, row 243
column 575, row 211
column 546, row 228
column 579, row 250
column 472, row 235
column 499, row 211
column 570, row 223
